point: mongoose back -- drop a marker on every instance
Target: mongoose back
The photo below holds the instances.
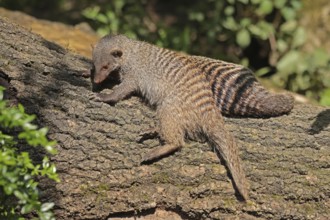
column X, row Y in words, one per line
column 237, row 92
column 175, row 83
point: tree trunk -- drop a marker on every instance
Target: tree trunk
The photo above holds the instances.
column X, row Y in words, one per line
column 286, row 159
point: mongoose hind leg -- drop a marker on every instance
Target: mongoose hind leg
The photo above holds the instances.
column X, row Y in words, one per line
column 171, row 132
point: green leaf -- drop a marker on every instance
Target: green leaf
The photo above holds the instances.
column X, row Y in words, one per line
column 119, row 4
column 265, row 8
column 289, row 26
column 321, row 57
column 299, row 37
column 230, row 24
column 287, row 64
column 50, row 149
column 282, row 45
column 21, row 195
column 244, row 1
column 9, row 188
column 303, row 81
column 199, row 16
column 279, row 3
column 266, row 27
column 91, row 13
column 229, row 10
column 296, row 4
column 47, row 206
column 262, row 71
column 259, row 30
column 103, row 18
column 21, row 108
column 288, row 13
column 256, row 1
column 27, row 208
column 245, row 22
column 1, row 94
column 325, row 97
column 45, row 162
column 243, row 38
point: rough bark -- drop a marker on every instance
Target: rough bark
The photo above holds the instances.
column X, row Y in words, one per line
column 287, row 159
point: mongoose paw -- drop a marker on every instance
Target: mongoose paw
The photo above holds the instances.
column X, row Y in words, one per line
column 86, row 73
column 102, row 97
column 159, row 152
column 150, row 157
column 95, row 97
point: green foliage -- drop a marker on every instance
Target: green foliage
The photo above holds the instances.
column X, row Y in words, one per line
column 111, row 19
column 325, row 97
column 18, row 187
column 306, row 73
column 225, row 30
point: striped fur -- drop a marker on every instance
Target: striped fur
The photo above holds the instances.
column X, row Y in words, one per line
column 190, row 93
column 238, row 93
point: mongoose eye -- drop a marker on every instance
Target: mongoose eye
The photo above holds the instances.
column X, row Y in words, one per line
column 116, row 53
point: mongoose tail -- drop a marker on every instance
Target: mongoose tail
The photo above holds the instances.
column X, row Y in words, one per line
column 227, row 149
column 237, row 92
column 273, row 105
column 253, row 100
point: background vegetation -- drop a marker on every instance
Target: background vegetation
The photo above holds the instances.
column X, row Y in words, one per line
column 265, row 35
column 19, row 194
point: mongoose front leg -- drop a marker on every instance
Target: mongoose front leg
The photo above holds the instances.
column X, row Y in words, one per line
column 119, row 93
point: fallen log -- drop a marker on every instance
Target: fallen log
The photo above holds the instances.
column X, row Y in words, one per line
column 286, row 159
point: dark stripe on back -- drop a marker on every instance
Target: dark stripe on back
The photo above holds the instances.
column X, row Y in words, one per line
column 164, row 57
column 172, row 70
column 234, row 88
column 175, row 63
column 223, row 79
column 240, row 91
column 191, row 71
column 210, row 71
column 207, row 65
column 185, row 71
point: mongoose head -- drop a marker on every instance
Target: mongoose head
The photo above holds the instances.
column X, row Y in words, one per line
column 107, row 58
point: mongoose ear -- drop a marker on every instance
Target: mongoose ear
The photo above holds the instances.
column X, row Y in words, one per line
column 117, row 53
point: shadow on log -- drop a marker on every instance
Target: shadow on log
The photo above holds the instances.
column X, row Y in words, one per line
column 286, row 159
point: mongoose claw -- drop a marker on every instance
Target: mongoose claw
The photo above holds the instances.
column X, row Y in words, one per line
column 95, row 97
column 86, row 73
column 103, row 97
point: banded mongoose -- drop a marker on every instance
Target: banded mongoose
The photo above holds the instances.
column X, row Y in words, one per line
column 179, row 85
